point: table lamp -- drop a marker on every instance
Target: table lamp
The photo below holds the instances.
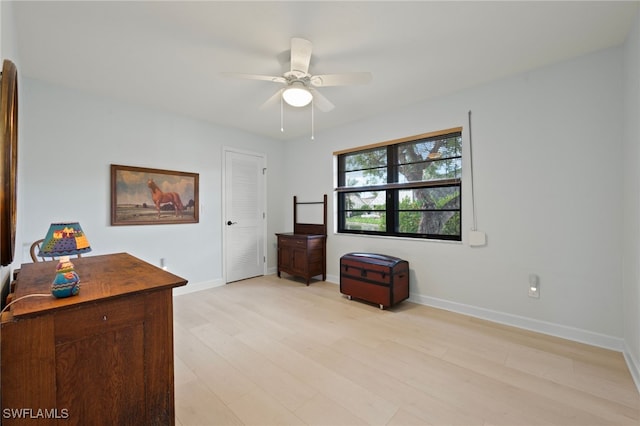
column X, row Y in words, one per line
column 62, row 241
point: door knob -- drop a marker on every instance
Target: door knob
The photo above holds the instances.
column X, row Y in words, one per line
column 231, row 223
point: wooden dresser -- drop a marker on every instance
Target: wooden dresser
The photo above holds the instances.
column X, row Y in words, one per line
column 103, row 357
column 302, row 252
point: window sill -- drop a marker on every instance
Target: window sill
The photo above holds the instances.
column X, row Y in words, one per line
column 393, row 237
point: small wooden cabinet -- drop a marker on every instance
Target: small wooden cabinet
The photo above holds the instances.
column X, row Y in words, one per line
column 302, row 255
column 103, row 357
column 302, row 252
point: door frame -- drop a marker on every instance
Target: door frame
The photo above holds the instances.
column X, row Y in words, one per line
column 225, row 150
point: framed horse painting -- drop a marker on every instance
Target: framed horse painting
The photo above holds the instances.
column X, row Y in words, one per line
column 143, row 196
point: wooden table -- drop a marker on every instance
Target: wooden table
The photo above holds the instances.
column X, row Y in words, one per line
column 104, row 356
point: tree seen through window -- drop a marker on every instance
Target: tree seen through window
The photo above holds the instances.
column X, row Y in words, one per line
column 411, row 188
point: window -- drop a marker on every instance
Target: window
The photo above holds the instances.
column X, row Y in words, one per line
column 409, row 187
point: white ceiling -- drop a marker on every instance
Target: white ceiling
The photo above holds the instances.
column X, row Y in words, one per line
column 168, row 54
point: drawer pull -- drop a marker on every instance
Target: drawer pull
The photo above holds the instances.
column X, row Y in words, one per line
column 104, row 318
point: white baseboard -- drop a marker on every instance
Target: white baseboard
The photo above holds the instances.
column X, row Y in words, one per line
column 634, row 366
column 333, row 279
column 562, row 331
column 565, row 332
column 544, row 327
column 557, row 330
column 192, row 288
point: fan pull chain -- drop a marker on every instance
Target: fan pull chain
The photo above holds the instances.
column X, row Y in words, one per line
column 281, row 115
column 312, row 138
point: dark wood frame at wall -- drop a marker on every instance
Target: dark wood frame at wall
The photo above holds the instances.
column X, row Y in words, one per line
column 8, row 160
column 130, row 181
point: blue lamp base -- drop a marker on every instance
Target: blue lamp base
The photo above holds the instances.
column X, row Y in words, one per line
column 66, row 282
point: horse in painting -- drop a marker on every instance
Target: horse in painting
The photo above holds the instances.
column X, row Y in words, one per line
column 160, row 198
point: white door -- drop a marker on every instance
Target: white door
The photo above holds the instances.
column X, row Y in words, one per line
column 244, row 215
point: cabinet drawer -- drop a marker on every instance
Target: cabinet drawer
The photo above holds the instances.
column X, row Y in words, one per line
column 82, row 321
column 292, row 242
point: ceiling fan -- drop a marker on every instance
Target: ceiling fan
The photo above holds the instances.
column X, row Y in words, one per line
column 299, row 86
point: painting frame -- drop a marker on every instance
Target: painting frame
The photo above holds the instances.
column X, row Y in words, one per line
column 148, row 196
column 8, row 160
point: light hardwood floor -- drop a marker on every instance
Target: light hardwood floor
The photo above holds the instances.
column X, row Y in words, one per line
column 270, row 351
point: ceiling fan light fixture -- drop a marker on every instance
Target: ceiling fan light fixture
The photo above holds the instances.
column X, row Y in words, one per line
column 297, row 95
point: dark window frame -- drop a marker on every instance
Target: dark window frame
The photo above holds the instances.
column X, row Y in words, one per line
column 393, row 187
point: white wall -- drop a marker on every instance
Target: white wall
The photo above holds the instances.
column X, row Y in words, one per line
column 547, row 161
column 631, row 206
column 68, row 142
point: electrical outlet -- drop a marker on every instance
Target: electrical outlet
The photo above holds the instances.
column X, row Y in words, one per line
column 534, row 286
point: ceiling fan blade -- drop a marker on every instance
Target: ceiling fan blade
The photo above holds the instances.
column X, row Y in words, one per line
column 272, row 78
column 321, row 102
column 272, row 100
column 300, row 55
column 345, row 79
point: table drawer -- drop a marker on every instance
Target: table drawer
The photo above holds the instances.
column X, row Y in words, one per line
column 93, row 318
